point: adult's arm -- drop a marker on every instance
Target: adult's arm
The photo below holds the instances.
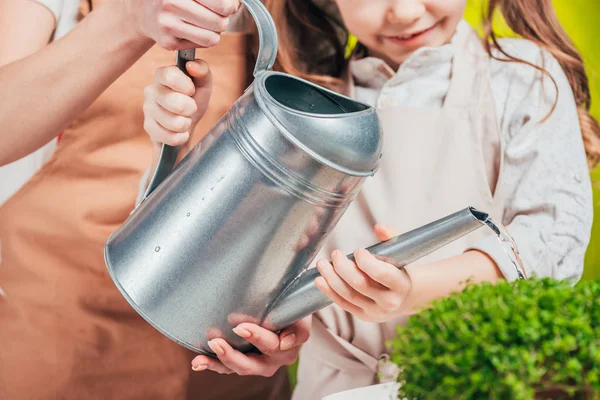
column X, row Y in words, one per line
column 43, row 92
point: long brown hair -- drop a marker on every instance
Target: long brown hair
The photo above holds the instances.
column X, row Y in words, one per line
column 312, row 40
column 536, row 21
column 313, row 45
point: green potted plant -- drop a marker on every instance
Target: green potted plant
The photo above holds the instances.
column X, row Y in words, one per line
column 534, row 339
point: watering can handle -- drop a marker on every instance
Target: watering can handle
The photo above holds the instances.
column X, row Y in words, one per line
column 168, row 154
column 267, row 36
column 267, row 53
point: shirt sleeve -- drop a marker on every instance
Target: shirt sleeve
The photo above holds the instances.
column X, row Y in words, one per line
column 544, row 182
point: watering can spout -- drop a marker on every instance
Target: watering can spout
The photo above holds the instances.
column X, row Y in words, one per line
column 302, row 298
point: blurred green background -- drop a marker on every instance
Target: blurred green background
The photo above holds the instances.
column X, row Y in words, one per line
column 581, row 19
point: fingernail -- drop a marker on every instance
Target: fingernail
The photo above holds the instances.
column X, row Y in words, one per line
column 288, row 342
column 321, row 264
column 216, row 347
column 198, row 69
column 241, row 332
column 199, row 367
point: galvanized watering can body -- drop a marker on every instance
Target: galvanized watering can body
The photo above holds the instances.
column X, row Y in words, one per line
column 219, row 240
column 227, row 236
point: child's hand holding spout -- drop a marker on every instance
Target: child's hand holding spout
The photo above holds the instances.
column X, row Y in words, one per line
column 369, row 288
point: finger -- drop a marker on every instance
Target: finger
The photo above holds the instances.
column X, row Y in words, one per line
column 238, row 362
column 295, row 334
column 222, row 7
column 380, row 271
column 356, row 278
column 173, row 78
column 322, row 285
column 161, row 135
column 198, row 69
column 198, row 15
column 341, row 287
column 203, row 80
column 175, row 102
column 200, row 36
column 265, row 341
column 168, row 120
column 182, row 44
column 385, row 232
column 203, row 363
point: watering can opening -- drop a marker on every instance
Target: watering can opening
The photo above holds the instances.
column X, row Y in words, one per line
column 304, row 97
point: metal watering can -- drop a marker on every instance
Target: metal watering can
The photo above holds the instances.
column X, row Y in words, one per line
column 226, row 237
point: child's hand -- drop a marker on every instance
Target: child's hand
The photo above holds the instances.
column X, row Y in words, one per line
column 174, row 103
column 370, row 289
column 277, row 350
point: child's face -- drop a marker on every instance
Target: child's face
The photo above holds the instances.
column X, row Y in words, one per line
column 394, row 29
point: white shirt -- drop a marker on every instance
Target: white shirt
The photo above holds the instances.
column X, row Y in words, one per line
column 15, row 174
column 545, row 180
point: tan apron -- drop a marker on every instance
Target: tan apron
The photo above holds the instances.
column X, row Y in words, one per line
column 436, row 161
column 65, row 330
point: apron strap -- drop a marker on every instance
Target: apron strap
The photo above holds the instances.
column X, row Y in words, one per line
column 469, row 69
column 339, row 353
column 470, row 87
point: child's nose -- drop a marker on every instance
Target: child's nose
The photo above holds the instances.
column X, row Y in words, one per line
column 405, row 12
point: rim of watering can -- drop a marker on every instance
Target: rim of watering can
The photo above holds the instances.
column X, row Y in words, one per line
column 262, row 96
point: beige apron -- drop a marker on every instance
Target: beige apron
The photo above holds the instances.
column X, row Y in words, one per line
column 436, row 161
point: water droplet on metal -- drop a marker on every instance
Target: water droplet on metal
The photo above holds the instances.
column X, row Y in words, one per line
column 157, row 249
column 188, row 214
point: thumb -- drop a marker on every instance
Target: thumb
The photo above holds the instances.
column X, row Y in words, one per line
column 202, row 77
column 295, row 334
column 199, row 71
column 385, row 232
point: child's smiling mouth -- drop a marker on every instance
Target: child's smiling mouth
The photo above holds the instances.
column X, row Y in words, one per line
column 413, row 39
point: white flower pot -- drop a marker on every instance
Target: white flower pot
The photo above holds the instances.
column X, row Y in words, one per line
column 384, row 391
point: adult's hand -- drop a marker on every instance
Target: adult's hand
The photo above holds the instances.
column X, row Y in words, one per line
column 182, row 24
column 276, row 350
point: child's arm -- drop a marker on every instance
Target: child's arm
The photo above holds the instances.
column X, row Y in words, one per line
column 544, row 183
column 376, row 291
column 546, row 190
